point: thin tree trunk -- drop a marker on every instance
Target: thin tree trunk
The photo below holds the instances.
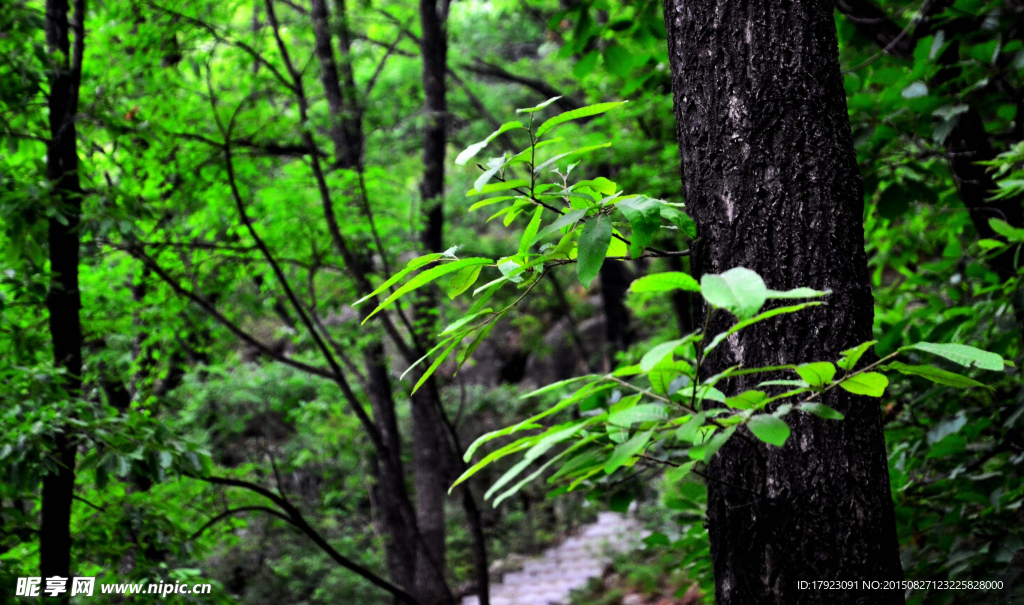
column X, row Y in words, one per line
column 615, row 281
column 770, row 175
column 347, row 152
column 430, row 455
column 63, row 302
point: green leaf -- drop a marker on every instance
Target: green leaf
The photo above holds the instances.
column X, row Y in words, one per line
column 569, row 218
column 747, row 400
column 499, row 186
column 551, row 438
column 593, row 244
column 560, row 156
column 582, row 393
column 511, row 448
column 458, row 323
column 678, row 473
column 711, row 447
column 964, row 355
column 618, row 60
column 739, row 291
column 646, row 412
column 493, row 167
column 816, row 374
column 644, row 216
column 462, row 280
column 663, row 282
column 624, row 452
column 658, row 353
column 936, row 375
column 425, row 278
column 769, row 429
column 537, row 108
column 851, row 356
column 1006, row 230
column 820, row 410
column 531, row 231
column 437, row 362
column 475, row 148
column 798, row 293
column 690, row 431
column 518, row 486
column 414, row 264
column 556, row 385
column 492, row 200
column 576, row 114
column 871, row 384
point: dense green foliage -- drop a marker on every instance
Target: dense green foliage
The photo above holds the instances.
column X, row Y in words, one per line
column 221, row 338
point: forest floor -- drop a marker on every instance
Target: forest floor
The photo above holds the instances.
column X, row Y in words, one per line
column 549, row 578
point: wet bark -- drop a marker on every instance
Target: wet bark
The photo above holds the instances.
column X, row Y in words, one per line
column 770, row 177
column 63, row 302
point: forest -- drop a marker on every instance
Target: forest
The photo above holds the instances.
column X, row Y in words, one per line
column 420, row 302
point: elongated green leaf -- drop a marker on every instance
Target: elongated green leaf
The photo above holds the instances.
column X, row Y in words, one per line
column 576, row 114
column 531, row 231
column 645, row 412
column 769, row 429
column 556, row 385
column 739, row 291
column 936, row 375
column 475, row 148
column 658, row 353
column 798, row 293
column 851, row 356
column 962, row 354
column 644, row 216
column 551, row 438
column 594, row 240
column 560, row 156
column 690, row 431
column 443, row 343
column 499, row 186
column 624, row 452
column 583, row 393
column 498, row 454
column 537, row 108
column 425, row 278
column 491, row 200
column 820, row 410
column 414, row 264
column 437, row 362
column 569, row 218
column 537, row 473
column 747, row 400
column 753, row 320
column 816, row 374
column 462, row 280
column 871, row 384
column 493, row 167
column 664, row 282
column 458, row 323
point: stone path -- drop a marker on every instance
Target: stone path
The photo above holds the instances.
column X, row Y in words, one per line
column 548, row 579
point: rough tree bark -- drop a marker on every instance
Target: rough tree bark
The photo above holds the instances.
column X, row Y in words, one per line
column 63, row 301
column 430, row 457
column 770, row 176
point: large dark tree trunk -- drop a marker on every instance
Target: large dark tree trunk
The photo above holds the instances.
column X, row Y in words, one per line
column 770, row 176
column 63, row 301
